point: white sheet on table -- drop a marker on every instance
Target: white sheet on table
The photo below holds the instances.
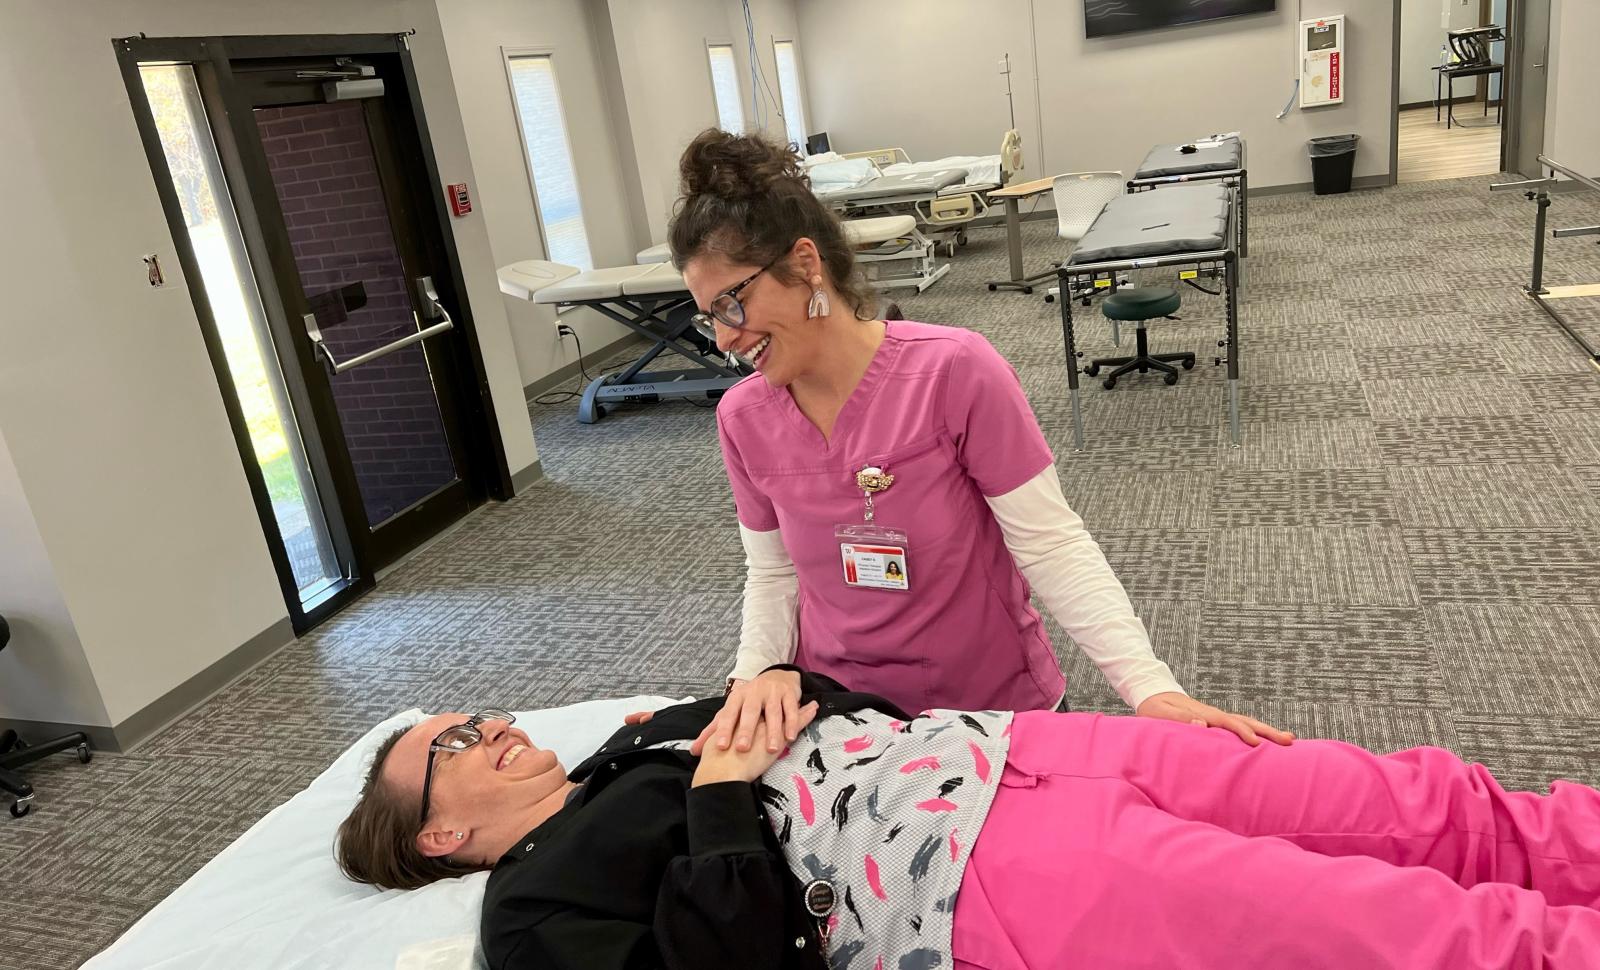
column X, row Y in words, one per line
column 842, row 174
column 276, row 899
column 981, row 169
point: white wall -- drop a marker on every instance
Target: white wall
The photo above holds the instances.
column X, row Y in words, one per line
column 1571, row 126
column 108, row 400
column 920, row 74
column 1103, row 102
column 1421, row 33
column 667, row 82
column 476, row 35
column 44, row 675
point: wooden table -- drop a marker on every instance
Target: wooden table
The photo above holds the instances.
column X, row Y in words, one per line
column 1013, row 196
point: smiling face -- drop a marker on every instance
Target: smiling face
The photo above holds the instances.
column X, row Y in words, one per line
column 777, row 338
column 483, row 788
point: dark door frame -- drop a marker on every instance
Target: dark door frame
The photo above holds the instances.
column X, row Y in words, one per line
column 212, row 59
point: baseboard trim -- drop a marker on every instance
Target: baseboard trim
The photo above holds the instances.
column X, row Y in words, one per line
column 567, row 372
column 175, row 703
column 1359, row 182
column 527, row 476
column 1460, row 99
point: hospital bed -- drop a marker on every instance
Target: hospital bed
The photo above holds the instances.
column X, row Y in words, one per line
column 938, row 198
column 891, row 249
column 1218, row 158
column 276, row 900
column 652, row 301
column 1191, row 228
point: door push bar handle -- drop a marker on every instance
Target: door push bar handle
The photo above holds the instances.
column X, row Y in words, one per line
column 434, row 309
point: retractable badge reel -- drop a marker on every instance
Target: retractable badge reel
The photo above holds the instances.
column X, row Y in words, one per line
column 873, row 555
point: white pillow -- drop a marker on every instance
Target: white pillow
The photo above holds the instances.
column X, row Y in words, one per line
column 276, row 899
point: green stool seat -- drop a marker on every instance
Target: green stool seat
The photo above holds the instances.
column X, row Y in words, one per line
column 1142, row 303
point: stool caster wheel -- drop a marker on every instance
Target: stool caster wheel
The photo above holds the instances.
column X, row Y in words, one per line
column 22, row 807
column 1093, row 370
column 1049, row 299
column 1188, row 364
column 1171, row 379
column 992, row 287
column 1028, row 290
column 1109, row 383
column 84, row 754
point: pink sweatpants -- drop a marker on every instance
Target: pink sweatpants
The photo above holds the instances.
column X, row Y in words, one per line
column 1129, row 842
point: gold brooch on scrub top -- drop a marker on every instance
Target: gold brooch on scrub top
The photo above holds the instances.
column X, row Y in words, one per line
column 873, row 479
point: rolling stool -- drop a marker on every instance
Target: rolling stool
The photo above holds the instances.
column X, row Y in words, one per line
column 14, row 753
column 1139, row 305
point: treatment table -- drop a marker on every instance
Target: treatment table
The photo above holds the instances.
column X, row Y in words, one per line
column 1183, row 226
column 650, row 300
column 1221, row 159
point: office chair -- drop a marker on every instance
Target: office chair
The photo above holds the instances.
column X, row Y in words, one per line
column 1079, row 197
column 14, row 753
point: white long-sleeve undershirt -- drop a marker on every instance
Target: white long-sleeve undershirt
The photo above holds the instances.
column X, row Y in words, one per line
column 1051, row 548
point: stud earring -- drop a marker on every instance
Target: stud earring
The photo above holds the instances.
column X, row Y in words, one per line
column 818, row 307
column 460, row 836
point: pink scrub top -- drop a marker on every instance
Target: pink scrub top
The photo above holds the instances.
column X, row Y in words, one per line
column 944, row 413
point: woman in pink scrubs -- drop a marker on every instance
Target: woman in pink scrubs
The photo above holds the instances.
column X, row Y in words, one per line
column 863, row 443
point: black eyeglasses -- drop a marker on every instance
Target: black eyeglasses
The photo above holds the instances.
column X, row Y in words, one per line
column 726, row 308
column 456, row 739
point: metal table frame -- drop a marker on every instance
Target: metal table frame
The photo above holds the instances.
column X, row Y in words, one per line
column 667, row 319
column 1538, row 192
column 1225, row 261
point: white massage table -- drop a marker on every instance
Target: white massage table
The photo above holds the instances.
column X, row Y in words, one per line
column 1214, row 159
column 275, row 899
column 880, row 243
column 650, row 300
column 1182, row 226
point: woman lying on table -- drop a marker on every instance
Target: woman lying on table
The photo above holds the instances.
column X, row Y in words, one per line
column 882, row 841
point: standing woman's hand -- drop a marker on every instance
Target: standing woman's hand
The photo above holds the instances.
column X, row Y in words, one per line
column 773, row 696
column 1182, row 707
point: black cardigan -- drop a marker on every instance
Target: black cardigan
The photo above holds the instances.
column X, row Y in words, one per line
column 642, row 871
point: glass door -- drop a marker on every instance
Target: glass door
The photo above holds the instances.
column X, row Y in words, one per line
column 226, row 274
column 309, row 219
column 339, row 214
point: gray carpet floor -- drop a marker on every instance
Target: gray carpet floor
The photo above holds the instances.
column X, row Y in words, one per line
column 1401, row 553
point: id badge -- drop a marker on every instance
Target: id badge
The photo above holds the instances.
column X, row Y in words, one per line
column 873, row 556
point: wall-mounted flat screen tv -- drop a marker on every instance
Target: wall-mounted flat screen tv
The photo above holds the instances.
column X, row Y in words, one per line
column 1103, row 18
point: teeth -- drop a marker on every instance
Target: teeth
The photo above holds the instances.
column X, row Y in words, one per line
column 510, row 756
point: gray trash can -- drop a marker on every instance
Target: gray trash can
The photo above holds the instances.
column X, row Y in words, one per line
column 1333, row 161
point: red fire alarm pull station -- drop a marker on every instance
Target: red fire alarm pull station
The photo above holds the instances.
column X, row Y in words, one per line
column 460, row 202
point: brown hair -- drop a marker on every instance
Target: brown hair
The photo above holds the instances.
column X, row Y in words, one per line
column 377, row 843
column 746, row 199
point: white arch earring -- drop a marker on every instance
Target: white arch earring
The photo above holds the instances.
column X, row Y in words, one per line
column 818, row 307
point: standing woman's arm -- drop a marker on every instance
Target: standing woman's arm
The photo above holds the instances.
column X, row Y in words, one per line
column 1064, row 564
column 771, row 597
column 1004, row 453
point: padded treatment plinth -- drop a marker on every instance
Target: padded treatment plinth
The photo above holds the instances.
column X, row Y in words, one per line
column 528, row 277
column 1179, row 219
column 1165, row 160
column 1141, row 303
column 659, row 253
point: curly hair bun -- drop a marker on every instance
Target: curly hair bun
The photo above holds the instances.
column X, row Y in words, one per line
column 735, row 167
